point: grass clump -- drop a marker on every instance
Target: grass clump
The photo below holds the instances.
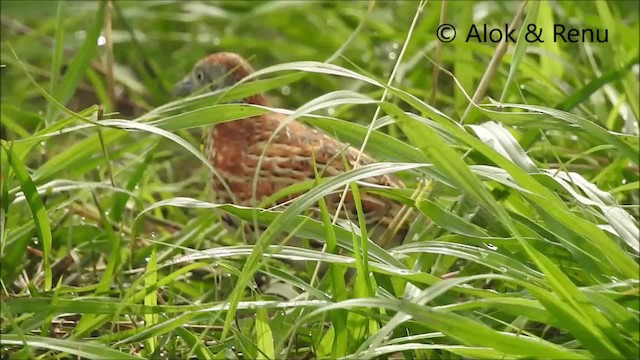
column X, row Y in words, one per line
column 526, row 244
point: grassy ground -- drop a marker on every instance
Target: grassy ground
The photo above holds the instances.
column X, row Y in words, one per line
column 111, row 247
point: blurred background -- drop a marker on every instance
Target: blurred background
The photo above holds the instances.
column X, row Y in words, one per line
column 61, row 48
column 155, row 43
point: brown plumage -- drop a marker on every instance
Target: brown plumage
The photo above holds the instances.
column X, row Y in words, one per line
column 234, row 149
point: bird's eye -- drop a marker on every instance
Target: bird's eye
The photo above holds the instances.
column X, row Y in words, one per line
column 200, row 76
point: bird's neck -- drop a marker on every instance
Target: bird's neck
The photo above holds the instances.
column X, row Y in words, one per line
column 257, row 99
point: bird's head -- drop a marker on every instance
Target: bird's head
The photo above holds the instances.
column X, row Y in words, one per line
column 215, row 71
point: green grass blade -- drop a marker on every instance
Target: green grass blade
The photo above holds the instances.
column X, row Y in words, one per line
column 81, row 60
column 38, row 210
column 83, row 349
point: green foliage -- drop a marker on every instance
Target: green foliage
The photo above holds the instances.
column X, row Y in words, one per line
column 526, row 244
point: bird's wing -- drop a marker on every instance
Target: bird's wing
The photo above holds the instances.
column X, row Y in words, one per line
column 332, row 158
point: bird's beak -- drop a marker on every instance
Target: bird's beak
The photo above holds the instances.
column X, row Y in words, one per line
column 183, row 88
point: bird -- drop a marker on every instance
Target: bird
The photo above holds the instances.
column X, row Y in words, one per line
column 289, row 154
